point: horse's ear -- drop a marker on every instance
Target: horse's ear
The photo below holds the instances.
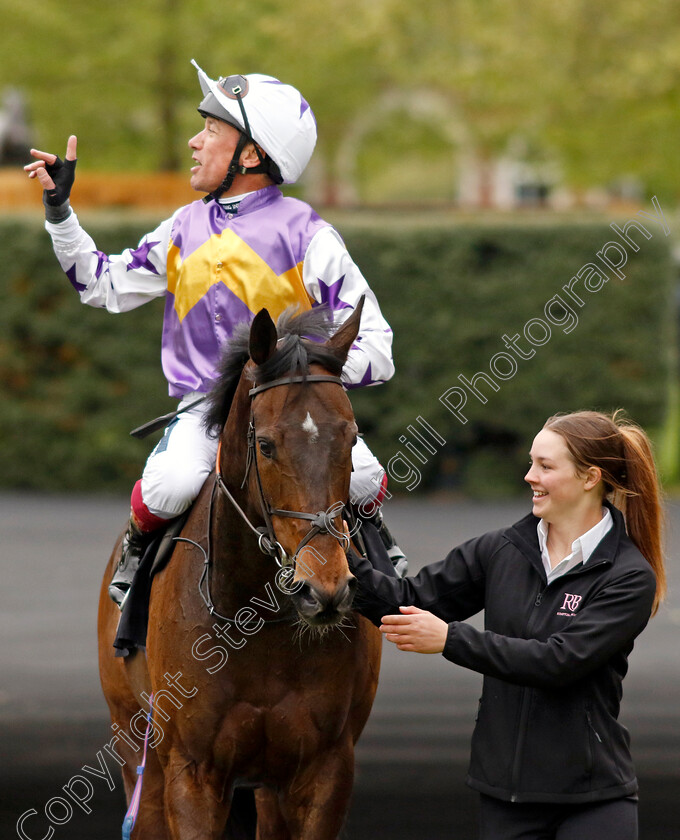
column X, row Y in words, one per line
column 262, row 337
column 343, row 338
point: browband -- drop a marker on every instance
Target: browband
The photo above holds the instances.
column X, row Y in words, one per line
column 288, row 380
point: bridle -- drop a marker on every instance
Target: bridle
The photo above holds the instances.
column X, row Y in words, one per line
column 322, row 521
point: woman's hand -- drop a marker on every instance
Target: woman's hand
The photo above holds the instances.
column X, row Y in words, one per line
column 415, row 630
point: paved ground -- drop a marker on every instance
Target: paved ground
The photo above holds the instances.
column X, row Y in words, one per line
column 411, row 759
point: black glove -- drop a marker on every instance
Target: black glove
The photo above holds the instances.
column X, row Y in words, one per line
column 63, row 173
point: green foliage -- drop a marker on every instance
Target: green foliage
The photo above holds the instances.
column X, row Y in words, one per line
column 391, row 164
column 452, row 294
column 594, row 85
column 75, row 380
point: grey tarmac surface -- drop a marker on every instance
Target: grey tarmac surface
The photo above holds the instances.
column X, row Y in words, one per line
column 412, row 758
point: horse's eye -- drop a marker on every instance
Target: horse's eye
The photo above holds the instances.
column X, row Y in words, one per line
column 266, row 448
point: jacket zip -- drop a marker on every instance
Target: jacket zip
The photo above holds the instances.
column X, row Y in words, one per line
column 591, row 754
column 519, row 749
column 524, row 709
column 592, row 726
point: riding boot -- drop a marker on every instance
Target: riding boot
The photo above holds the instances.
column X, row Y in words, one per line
column 133, row 547
column 394, row 554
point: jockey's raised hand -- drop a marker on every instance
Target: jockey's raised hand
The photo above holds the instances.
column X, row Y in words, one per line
column 56, row 177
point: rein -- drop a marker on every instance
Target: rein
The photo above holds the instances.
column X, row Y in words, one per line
column 204, row 582
column 322, row 522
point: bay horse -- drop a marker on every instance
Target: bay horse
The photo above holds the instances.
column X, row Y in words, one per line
column 261, row 674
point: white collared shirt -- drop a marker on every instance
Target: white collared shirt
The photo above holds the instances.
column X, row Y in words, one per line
column 581, row 548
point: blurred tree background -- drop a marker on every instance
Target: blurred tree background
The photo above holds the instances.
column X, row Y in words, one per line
column 403, row 94
column 416, row 106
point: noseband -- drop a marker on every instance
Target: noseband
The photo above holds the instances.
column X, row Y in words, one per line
column 322, row 522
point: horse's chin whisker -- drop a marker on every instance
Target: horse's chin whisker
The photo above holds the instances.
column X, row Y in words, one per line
column 346, row 622
column 314, row 632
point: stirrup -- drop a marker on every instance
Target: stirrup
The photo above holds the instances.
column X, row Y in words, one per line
column 396, row 555
column 119, row 588
column 118, row 594
column 399, row 561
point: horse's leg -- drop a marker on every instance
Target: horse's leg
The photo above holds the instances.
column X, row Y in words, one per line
column 271, row 824
column 128, row 745
column 150, row 823
column 122, row 681
column 317, row 799
column 197, row 799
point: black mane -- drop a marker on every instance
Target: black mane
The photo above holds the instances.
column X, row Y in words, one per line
column 302, row 334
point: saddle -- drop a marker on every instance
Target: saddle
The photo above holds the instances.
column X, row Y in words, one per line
column 134, row 618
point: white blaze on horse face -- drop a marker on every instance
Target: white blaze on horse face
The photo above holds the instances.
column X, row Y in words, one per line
column 311, row 428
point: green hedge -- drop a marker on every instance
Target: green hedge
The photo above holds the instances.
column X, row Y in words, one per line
column 452, row 294
column 76, row 379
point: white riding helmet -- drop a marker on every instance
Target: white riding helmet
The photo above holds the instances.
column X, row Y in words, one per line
column 275, row 115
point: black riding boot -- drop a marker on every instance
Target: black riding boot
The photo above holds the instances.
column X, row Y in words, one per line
column 134, row 544
column 386, row 556
column 396, row 555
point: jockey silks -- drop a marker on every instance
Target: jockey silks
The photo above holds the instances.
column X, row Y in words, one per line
column 218, row 268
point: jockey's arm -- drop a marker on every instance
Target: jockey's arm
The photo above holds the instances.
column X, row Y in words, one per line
column 118, row 282
column 332, row 277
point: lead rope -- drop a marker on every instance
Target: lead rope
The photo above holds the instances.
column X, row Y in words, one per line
column 133, row 809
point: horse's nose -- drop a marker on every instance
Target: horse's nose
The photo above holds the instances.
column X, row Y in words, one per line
column 319, row 607
column 350, row 590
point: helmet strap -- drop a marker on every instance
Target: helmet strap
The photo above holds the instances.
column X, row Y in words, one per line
column 235, row 167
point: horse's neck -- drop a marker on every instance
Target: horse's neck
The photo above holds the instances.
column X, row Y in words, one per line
column 234, row 438
column 238, row 564
column 239, row 569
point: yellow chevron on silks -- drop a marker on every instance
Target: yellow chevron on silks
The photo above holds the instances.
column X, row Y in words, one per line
column 226, row 258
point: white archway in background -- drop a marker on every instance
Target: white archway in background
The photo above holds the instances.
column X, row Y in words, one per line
column 422, row 106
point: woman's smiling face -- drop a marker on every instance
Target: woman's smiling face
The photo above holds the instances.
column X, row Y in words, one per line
column 559, row 493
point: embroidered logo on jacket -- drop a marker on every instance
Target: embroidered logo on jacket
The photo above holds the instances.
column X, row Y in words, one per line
column 570, row 605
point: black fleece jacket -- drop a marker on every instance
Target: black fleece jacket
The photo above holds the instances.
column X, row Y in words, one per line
column 553, row 656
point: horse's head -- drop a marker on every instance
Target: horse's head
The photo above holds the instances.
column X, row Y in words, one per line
column 301, row 431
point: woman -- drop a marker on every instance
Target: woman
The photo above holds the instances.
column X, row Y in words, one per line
column 565, row 591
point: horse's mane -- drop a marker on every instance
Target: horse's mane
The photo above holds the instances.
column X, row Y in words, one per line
column 302, row 334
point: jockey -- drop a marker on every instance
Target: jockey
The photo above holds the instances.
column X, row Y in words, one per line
column 218, row 261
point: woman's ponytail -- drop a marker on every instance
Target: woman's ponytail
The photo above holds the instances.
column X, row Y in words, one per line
column 623, row 453
column 642, row 505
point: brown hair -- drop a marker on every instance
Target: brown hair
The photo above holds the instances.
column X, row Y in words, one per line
column 623, row 453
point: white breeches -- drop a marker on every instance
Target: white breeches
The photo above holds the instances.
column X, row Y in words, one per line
column 184, row 457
